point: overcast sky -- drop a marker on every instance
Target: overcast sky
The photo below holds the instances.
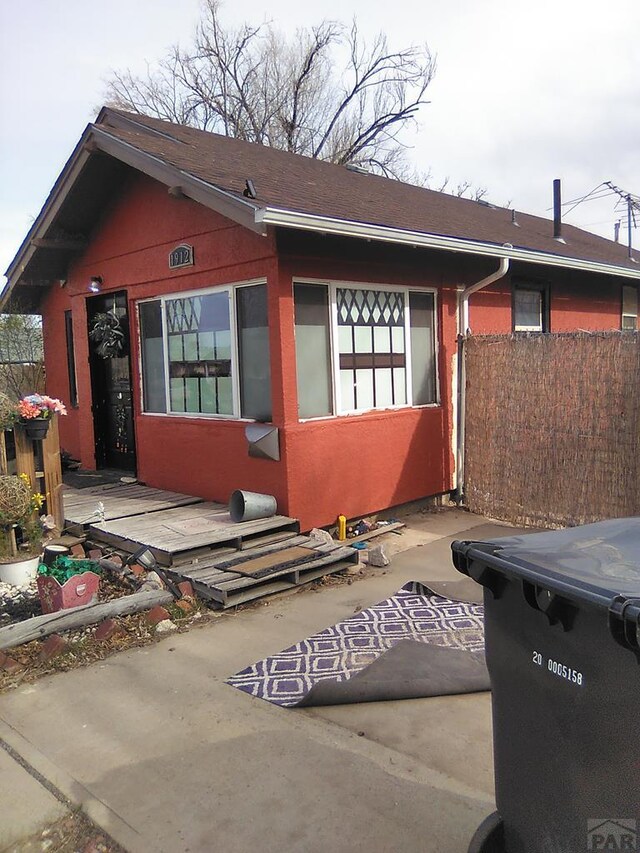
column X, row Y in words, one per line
column 524, row 92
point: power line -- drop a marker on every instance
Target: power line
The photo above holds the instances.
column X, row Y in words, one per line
column 632, row 203
column 595, row 194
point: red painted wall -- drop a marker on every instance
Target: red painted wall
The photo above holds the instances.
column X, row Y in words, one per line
column 578, row 301
column 351, row 464
column 358, row 464
column 130, row 250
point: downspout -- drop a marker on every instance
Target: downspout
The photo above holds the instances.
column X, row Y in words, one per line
column 462, row 314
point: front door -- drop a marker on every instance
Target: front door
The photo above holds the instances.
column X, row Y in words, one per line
column 110, row 364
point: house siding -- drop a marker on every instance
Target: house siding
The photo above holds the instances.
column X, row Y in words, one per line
column 356, row 464
column 129, row 250
column 352, row 464
column 578, row 301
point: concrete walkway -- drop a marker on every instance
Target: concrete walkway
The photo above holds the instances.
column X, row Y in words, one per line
column 165, row 757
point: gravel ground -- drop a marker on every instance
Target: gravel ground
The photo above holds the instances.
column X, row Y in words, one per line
column 74, row 833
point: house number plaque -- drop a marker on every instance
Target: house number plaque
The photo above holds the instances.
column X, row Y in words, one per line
column 181, row 256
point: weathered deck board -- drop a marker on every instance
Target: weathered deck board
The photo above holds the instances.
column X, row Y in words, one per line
column 172, row 532
column 120, row 501
column 228, row 563
column 252, row 574
column 224, row 559
column 224, row 599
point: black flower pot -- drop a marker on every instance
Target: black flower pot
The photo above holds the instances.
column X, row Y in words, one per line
column 36, row 429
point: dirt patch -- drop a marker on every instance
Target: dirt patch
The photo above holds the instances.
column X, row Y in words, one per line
column 73, row 833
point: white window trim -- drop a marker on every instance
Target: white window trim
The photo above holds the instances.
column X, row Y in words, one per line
column 230, row 289
column 542, row 293
column 333, row 285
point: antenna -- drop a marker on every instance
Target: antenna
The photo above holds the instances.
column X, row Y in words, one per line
column 633, row 208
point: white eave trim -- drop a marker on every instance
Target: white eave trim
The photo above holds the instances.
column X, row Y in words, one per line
column 344, row 228
column 195, row 188
column 208, row 195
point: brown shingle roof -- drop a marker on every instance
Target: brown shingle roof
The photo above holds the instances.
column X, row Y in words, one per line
column 293, row 182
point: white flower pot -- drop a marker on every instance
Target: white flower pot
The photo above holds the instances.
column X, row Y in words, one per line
column 20, row 572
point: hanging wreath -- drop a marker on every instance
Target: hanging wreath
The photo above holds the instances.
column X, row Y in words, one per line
column 108, row 335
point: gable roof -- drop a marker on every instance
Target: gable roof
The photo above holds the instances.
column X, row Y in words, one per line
column 292, row 191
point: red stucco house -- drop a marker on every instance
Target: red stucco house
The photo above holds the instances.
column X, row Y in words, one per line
column 234, row 286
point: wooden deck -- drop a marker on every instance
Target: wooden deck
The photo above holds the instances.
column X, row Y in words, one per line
column 178, row 533
column 228, row 580
column 227, row 562
column 81, row 506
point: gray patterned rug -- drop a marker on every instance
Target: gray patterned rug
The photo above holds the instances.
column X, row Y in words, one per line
column 415, row 643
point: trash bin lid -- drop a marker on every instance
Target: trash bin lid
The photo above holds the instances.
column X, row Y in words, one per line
column 600, row 560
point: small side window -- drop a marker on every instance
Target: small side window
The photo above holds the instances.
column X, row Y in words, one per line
column 629, row 308
column 152, row 346
column 530, row 309
column 71, row 360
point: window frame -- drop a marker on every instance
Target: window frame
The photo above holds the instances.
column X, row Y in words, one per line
column 545, row 305
column 230, row 289
column 623, row 313
column 333, row 285
column 72, row 373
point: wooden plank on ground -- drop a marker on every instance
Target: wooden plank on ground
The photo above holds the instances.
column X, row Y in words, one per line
column 225, row 598
column 224, row 558
column 291, row 571
column 267, row 539
column 268, row 564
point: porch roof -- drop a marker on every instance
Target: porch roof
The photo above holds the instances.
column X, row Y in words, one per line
column 291, row 191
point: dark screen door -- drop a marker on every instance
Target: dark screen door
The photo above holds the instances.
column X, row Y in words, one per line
column 110, row 366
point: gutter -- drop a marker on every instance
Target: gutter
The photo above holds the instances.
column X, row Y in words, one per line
column 417, row 239
column 462, row 313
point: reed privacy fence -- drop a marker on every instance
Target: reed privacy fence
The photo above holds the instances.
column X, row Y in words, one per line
column 553, row 427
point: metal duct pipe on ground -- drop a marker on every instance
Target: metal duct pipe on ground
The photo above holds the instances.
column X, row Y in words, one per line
column 247, row 506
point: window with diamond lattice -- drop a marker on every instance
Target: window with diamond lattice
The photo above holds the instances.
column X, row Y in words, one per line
column 199, row 344
column 371, row 345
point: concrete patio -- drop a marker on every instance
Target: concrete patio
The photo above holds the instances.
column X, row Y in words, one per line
column 165, row 756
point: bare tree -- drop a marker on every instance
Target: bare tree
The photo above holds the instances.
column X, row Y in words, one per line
column 324, row 93
column 463, row 189
column 21, row 355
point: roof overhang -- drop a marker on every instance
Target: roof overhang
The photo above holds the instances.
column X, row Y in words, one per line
column 282, row 218
column 97, row 140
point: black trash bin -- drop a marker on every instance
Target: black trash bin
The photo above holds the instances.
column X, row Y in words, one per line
column 562, row 623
